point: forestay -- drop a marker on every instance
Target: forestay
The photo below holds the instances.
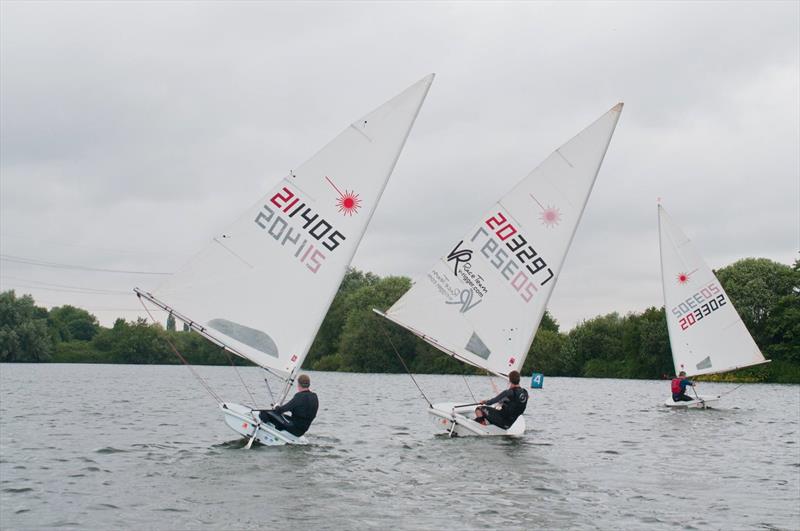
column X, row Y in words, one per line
column 483, row 299
column 705, row 331
column 262, row 286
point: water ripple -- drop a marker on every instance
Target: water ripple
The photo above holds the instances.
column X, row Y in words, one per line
column 579, row 466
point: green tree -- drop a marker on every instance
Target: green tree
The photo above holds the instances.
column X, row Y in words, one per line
column 782, row 329
column 143, row 343
column 23, row 329
column 598, row 340
column 326, row 343
column 755, row 285
column 364, row 345
column 69, row 323
column 654, row 354
column 136, row 342
column 545, row 354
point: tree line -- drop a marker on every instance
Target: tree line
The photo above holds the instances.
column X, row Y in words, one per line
column 352, row 338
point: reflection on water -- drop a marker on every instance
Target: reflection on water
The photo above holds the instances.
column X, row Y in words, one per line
column 105, row 446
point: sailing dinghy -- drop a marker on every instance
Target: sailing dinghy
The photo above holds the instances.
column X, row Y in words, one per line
column 482, row 301
column 262, row 286
column 706, row 334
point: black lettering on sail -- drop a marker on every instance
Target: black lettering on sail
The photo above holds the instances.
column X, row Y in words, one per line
column 464, row 255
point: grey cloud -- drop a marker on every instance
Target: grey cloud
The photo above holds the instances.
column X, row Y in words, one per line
column 134, row 131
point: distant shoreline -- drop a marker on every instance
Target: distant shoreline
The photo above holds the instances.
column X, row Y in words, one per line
column 632, row 346
column 714, row 378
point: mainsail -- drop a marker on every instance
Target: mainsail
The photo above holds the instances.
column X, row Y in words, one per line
column 705, row 332
column 484, row 298
column 263, row 285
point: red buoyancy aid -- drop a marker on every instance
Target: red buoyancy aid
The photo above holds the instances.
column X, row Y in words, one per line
column 676, row 386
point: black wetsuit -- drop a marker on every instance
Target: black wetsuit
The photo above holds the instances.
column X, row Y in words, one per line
column 303, row 407
column 513, row 402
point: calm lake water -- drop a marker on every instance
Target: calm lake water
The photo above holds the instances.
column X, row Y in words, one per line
column 110, row 446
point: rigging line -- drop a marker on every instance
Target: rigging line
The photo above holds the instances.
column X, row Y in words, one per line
column 57, row 265
column 269, row 390
column 77, row 291
column 39, row 282
column 383, row 327
column 205, row 384
column 240, row 376
column 52, row 242
column 468, row 387
column 491, row 380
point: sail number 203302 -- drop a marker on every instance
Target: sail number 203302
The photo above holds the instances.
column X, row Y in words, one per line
column 691, row 318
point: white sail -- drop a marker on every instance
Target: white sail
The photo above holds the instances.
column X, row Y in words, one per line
column 705, row 332
column 264, row 284
column 484, row 298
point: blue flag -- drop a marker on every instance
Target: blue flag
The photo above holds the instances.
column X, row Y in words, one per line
column 537, row 380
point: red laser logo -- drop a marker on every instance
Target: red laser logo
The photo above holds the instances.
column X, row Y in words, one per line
column 683, row 278
column 348, row 202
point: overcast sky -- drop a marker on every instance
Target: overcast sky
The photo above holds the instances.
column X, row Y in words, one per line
column 132, row 132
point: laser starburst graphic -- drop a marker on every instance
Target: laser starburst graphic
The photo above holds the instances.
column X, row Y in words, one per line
column 550, row 216
column 683, row 278
column 347, row 202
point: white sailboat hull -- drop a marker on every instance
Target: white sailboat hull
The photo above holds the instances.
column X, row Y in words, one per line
column 459, row 421
column 704, row 402
column 241, row 420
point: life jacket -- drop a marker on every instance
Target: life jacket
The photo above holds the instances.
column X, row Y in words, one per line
column 676, row 386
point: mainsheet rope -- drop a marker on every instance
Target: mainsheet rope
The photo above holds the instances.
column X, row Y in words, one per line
column 240, row 376
column 205, row 384
column 383, row 327
column 732, row 390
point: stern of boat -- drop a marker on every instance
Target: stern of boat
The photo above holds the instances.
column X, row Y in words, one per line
column 704, row 402
column 454, row 420
column 241, row 420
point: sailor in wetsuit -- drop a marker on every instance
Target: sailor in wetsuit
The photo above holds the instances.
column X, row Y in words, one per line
column 512, row 404
column 679, row 385
column 303, row 408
